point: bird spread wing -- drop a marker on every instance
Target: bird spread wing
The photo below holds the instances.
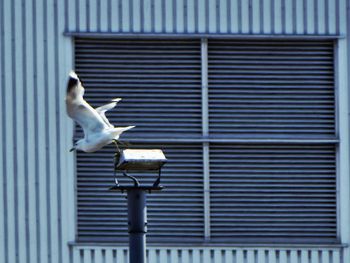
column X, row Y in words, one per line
column 79, row 110
column 102, row 110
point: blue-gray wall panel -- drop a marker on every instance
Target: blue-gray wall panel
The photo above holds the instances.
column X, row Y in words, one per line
column 311, row 17
column 36, row 169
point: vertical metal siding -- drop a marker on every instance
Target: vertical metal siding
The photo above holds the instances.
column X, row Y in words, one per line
column 316, row 17
column 34, row 144
column 344, row 132
column 218, row 255
column 343, row 60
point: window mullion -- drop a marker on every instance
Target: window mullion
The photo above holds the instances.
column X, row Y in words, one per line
column 205, row 133
column 204, row 74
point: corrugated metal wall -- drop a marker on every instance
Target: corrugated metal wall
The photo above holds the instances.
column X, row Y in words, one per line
column 37, row 171
column 213, row 255
column 194, row 16
column 36, row 187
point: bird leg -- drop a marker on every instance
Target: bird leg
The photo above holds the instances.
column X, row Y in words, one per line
column 115, row 170
column 124, row 143
column 116, row 161
column 116, row 146
column 116, row 179
column 117, row 154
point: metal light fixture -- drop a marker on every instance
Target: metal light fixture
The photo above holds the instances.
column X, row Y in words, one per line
column 138, row 160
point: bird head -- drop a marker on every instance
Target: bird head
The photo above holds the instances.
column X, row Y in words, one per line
column 74, row 86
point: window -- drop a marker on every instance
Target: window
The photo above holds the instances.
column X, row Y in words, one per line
column 248, row 128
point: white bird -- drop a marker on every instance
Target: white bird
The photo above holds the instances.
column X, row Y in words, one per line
column 98, row 131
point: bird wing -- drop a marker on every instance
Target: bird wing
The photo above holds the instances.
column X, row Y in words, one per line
column 79, row 110
column 102, row 110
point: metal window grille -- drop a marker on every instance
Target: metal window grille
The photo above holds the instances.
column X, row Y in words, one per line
column 248, row 127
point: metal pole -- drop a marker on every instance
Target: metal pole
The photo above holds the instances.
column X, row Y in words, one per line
column 137, row 221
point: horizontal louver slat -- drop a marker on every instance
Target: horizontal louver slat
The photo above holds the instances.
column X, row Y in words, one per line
column 270, row 204
column 271, row 89
column 159, row 82
column 103, row 214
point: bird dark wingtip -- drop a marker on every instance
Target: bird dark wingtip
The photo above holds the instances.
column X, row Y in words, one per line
column 72, row 81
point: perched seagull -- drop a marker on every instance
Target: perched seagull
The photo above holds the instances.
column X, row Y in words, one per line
column 98, row 131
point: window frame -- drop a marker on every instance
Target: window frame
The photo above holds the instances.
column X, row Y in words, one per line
column 206, row 140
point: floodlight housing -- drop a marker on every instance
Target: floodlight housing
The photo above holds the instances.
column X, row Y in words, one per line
column 136, row 160
column 141, row 160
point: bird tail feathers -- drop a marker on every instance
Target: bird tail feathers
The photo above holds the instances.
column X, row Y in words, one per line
column 118, row 131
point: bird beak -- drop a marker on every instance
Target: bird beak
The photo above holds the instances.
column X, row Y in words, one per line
column 73, row 149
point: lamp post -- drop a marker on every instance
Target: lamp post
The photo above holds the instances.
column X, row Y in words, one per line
column 138, row 160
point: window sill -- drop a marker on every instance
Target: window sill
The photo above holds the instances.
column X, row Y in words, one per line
column 215, row 245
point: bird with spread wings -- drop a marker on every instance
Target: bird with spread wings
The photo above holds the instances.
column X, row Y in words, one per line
column 98, row 131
